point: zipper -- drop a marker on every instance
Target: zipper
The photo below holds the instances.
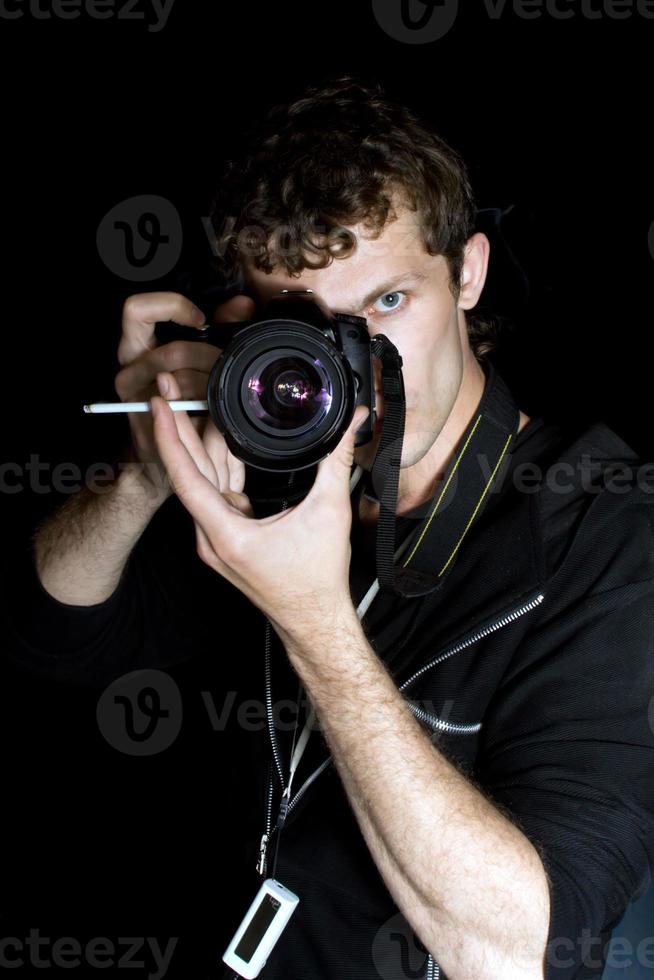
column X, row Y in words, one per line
column 265, row 837
column 451, row 727
column 429, row 718
column 477, row 635
column 269, row 708
column 433, row 969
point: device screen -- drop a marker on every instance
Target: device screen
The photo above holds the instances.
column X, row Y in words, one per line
column 257, row 927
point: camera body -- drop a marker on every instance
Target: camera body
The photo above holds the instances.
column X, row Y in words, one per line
column 286, row 384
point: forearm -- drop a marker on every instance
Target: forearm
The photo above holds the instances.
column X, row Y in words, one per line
column 471, row 885
column 81, row 549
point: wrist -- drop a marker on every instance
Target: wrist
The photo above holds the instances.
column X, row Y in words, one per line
column 143, row 485
column 311, row 635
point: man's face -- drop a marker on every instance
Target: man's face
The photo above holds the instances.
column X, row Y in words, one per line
column 404, row 293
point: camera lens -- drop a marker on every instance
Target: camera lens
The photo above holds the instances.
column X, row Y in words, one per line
column 282, row 392
column 288, row 393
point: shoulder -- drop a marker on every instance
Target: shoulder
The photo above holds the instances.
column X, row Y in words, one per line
column 595, row 496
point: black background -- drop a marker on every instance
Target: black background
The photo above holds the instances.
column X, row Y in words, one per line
column 553, row 118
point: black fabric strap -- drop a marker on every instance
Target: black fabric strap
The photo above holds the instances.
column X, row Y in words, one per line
column 465, row 488
column 386, row 466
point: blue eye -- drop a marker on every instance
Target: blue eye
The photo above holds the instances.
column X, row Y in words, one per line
column 392, row 299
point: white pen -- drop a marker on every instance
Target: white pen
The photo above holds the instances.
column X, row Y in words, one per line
column 111, row 407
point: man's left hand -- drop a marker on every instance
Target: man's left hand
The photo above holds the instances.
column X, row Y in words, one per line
column 294, row 565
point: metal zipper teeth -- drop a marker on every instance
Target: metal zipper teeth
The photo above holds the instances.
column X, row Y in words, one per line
column 433, row 969
column 444, row 726
column 269, row 709
column 473, row 637
column 433, row 719
column 269, row 803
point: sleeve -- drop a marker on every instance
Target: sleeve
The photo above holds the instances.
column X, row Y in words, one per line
column 568, row 748
column 165, row 610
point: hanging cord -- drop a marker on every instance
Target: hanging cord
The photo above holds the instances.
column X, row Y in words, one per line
column 295, row 758
column 299, row 745
column 296, row 751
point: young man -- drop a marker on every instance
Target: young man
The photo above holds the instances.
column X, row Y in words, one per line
column 493, row 811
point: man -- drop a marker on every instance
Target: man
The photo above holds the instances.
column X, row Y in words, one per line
column 532, row 820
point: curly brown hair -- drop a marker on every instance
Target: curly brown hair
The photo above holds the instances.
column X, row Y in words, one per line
column 333, row 158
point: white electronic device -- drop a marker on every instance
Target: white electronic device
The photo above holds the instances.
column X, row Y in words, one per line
column 262, row 926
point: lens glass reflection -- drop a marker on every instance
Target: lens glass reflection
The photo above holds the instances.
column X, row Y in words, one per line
column 289, row 392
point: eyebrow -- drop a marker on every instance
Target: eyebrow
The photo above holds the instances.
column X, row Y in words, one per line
column 403, row 279
column 409, row 277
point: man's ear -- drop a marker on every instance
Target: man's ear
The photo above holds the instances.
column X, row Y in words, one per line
column 473, row 273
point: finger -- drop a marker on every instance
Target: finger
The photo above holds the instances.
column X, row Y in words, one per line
column 237, row 308
column 216, row 448
column 204, row 546
column 236, row 472
column 140, row 313
column 176, row 356
column 191, row 384
column 187, row 432
column 240, row 501
column 334, row 471
column 202, row 500
column 224, row 461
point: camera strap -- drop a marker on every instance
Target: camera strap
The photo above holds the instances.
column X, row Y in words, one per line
column 466, row 484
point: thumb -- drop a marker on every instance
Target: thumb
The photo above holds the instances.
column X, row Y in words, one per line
column 335, row 470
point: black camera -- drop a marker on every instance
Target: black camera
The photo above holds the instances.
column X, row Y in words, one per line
column 285, row 387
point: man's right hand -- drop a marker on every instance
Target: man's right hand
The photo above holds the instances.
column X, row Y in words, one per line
column 190, row 363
